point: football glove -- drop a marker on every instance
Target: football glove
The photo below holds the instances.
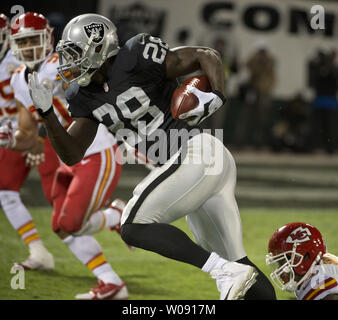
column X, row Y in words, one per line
column 7, row 138
column 41, row 95
column 209, row 102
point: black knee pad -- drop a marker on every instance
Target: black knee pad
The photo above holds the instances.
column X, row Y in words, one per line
column 126, row 233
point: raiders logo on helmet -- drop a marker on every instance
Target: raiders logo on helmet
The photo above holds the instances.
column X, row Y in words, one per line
column 95, row 29
column 299, row 235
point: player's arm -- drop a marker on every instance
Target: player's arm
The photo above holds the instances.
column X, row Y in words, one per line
column 184, row 60
column 70, row 145
column 27, row 133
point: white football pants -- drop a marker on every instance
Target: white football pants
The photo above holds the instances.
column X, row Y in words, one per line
column 202, row 189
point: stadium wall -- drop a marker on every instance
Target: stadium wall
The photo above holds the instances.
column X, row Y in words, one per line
column 284, row 25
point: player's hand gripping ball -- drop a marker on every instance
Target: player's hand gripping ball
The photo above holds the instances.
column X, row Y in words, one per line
column 194, row 101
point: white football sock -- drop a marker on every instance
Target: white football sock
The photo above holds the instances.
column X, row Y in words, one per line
column 20, row 219
column 100, row 220
column 89, row 252
column 112, row 217
column 214, row 262
column 107, row 274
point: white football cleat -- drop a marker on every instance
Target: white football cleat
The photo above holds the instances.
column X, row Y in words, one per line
column 119, row 205
column 234, row 279
column 41, row 261
column 105, row 291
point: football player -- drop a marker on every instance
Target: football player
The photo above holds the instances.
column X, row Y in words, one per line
column 13, row 169
column 80, row 191
column 128, row 89
column 300, row 263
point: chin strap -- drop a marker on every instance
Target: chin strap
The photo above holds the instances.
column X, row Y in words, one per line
column 85, row 79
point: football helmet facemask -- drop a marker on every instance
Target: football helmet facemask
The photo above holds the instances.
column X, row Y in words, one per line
column 31, row 39
column 88, row 40
column 293, row 252
column 4, row 34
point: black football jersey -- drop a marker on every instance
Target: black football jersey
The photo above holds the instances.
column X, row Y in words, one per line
column 136, row 106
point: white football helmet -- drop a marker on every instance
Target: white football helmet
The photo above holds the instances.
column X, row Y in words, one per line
column 88, row 40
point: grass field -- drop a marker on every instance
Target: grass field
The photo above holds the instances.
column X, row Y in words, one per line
column 148, row 275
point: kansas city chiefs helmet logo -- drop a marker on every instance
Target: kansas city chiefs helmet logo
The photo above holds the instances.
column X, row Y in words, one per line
column 94, row 30
column 299, row 235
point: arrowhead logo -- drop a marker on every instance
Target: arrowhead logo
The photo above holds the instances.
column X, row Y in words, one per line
column 94, row 30
column 299, row 235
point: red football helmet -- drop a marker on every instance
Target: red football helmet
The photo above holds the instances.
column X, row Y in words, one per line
column 293, row 251
column 4, row 34
column 31, row 38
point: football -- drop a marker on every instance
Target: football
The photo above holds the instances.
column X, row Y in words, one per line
column 183, row 101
